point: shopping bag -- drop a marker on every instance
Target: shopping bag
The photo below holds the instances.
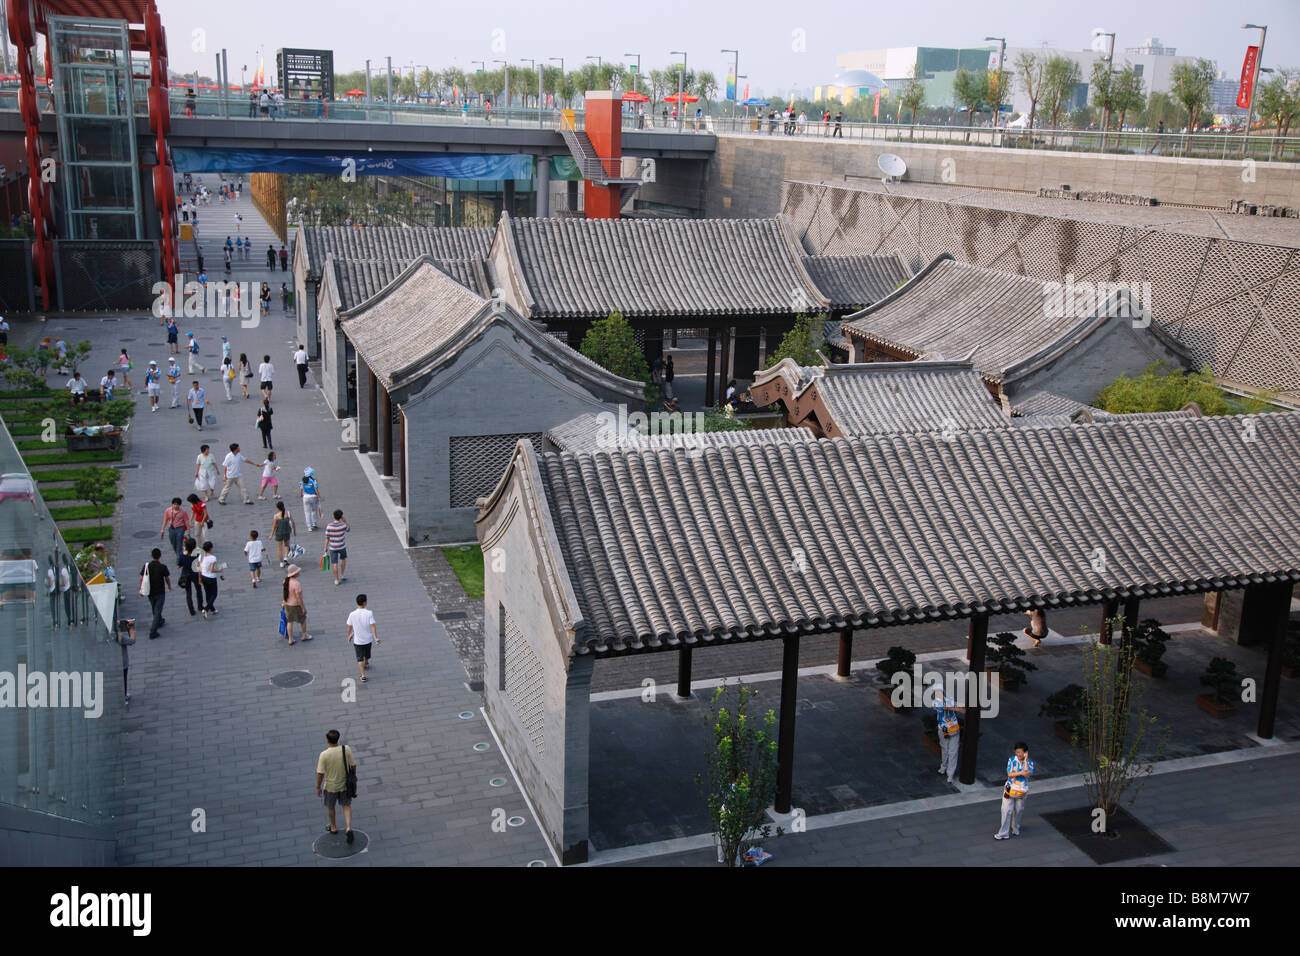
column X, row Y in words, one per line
column 284, row 623
column 325, row 561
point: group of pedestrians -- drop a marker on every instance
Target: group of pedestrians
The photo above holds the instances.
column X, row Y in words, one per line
column 1020, row 767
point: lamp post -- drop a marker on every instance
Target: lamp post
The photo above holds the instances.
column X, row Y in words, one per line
column 637, row 71
column 532, row 65
column 1002, row 53
column 735, row 73
column 681, row 78
column 1110, row 66
column 1254, row 82
column 505, row 113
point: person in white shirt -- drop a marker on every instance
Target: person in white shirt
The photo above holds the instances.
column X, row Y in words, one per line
column 208, row 571
column 300, row 360
column 227, row 374
column 77, row 388
column 52, row 586
column 65, row 588
column 254, row 549
column 107, row 384
column 265, row 372
column 232, row 469
column 362, row 633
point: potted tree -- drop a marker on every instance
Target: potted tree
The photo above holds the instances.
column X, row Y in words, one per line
column 1221, row 677
column 1008, row 661
column 1149, row 647
column 899, row 659
column 1066, row 708
column 930, row 731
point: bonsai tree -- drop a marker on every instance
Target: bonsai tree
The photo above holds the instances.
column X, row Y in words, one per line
column 1149, row 646
column 99, row 487
column 1114, row 728
column 899, row 659
column 1008, row 659
column 740, row 780
column 1065, row 707
column 1221, row 677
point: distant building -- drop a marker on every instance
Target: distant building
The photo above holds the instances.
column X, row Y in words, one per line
column 1223, row 96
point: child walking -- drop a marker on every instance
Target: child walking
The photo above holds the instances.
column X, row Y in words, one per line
column 269, row 468
column 254, row 549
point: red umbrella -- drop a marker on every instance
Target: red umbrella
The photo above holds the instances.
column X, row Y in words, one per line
column 632, row 96
column 686, row 98
column 355, row 93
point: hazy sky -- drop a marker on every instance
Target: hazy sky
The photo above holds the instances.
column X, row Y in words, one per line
column 767, row 33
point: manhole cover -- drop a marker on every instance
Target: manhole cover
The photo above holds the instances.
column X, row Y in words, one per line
column 126, row 467
column 480, row 747
column 108, row 320
column 335, row 846
column 146, row 505
column 516, row 821
column 497, row 782
column 143, row 534
column 292, row 679
column 466, row 715
column 536, row 862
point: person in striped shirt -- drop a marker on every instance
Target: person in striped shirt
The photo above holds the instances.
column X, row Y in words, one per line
column 1019, row 769
column 336, row 545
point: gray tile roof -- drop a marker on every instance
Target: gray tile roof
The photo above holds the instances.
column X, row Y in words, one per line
column 390, row 243
column 880, row 398
column 587, row 432
column 754, row 541
column 999, row 320
column 855, row 282
column 587, row 268
column 1047, row 408
column 360, row 279
column 423, row 318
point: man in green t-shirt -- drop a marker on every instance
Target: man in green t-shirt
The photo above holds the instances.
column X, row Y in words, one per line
column 331, row 776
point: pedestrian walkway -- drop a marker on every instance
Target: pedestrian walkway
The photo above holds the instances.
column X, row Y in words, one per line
column 219, row 764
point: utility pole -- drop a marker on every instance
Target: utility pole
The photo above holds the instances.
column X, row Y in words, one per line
column 1250, row 108
column 390, row 88
column 681, row 79
column 1110, row 65
column 1002, row 55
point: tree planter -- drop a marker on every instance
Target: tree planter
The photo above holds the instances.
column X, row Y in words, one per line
column 1152, row 670
column 112, row 441
column 1062, row 729
column 1007, row 684
column 886, row 694
column 1215, row 707
column 932, row 741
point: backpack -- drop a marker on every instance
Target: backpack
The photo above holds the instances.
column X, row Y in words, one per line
column 194, row 347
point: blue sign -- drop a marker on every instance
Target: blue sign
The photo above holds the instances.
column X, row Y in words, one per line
column 493, row 166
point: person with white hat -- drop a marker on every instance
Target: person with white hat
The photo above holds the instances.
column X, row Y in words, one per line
column 153, row 385
column 225, row 349
column 311, row 509
column 295, row 608
column 174, row 380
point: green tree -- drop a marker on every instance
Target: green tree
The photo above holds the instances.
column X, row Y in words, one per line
column 1031, row 68
column 1162, row 388
column 913, row 94
column 610, row 344
column 1189, row 83
column 970, row 89
column 801, row 342
column 1060, row 76
column 1126, row 94
column 740, row 782
column 706, row 88
column 98, row 488
column 1160, row 108
column 1278, row 101
column 1102, row 85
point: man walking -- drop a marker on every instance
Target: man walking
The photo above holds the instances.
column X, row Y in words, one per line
column 176, row 524
column 265, row 372
column 336, row 544
column 300, row 361
column 232, row 471
column 174, row 380
column 159, row 583
column 195, row 401
column 839, row 124
column 270, row 257
column 153, row 385
column 284, row 258
column 332, row 781
column 362, row 633
column 1019, row 769
column 192, row 350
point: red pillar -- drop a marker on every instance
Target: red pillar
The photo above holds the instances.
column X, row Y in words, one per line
column 604, row 123
column 38, row 201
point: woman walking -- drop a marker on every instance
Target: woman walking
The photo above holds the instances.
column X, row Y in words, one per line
column 125, row 365
column 311, row 509
column 295, row 608
column 227, row 377
column 189, row 579
column 264, row 422
column 282, row 528
column 245, row 373
column 205, row 473
column 208, row 571
column 199, row 513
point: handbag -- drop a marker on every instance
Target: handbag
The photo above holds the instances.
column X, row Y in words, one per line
column 284, row 623
column 144, row 582
column 349, row 774
column 1015, row 788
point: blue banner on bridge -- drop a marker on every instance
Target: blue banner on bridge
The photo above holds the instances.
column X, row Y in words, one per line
column 363, row 163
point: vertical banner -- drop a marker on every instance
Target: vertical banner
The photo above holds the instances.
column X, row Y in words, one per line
column 877, row 112
column 1247, row 78
column 731, row 83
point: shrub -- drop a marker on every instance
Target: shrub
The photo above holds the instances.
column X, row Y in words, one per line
column 1009, row 660
column 1149, row 645
column 71, row 535
column 1067, row 705
column 1221, row 677
column 801, row 342
column 899, row 659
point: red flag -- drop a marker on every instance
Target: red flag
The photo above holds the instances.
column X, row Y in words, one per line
column 746, row 91
column 1247, row 78
column 877, row 113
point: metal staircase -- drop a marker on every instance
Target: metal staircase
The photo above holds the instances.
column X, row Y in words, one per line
column 602, row 172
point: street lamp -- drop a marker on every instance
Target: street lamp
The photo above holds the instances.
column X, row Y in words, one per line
column 505, row 112
column 1002, row 53
column 599, row 61
column 560, row 84
column 735, row 74
column 1110, row 67
column 681, row 78
column 1254, row 81
column 532, row 65
column 636, row 72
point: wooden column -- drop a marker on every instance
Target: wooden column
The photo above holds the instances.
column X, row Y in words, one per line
column 1109, row 611
column 374, row 408
column 386, row 430
column 976, row 645
column 1273, row 610
column 401, row 453
column 843, row 668
column 684, row 672
column 724, row 362
column 785, row 729
column 1132, row 607
column 709, row 368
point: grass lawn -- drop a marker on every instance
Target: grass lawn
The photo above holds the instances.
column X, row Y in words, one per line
column 81, row 535
column 69, row 474
column 81, row 512
column 69, row 457
column 468, row 566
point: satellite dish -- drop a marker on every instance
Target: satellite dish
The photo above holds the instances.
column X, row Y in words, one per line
column 892, row 166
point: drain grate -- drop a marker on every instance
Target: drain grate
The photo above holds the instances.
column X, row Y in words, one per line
column 126, row 467
column 292, row 679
